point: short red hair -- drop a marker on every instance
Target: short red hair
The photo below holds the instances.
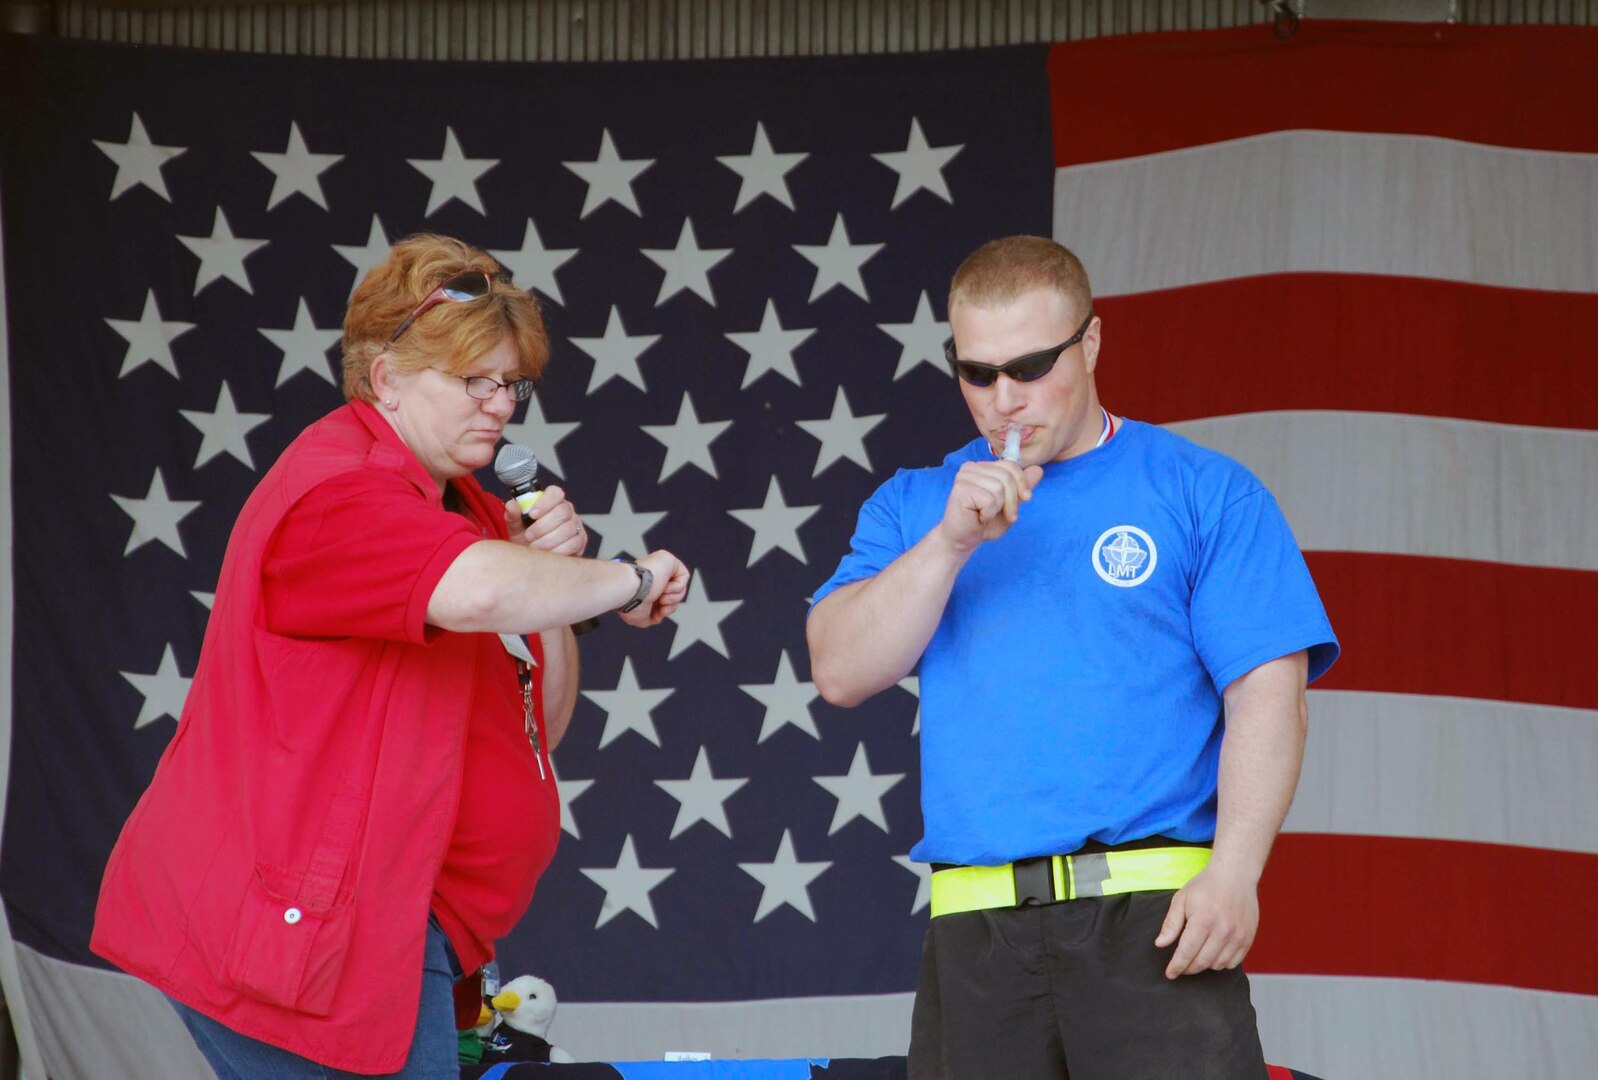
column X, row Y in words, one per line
column 450, row 336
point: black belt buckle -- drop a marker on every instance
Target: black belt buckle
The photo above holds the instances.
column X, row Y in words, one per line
column 1034, row 881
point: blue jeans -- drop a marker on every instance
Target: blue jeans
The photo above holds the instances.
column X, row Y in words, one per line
column 433, row 1055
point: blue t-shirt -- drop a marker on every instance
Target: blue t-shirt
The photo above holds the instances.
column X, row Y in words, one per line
column 1072, row 690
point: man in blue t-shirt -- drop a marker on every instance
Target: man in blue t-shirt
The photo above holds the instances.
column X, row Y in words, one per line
column 1114, row 628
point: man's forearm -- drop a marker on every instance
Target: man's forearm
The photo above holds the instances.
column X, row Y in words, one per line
column 868, row 635
column 1261, row 751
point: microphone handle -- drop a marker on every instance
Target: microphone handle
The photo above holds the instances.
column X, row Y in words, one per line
column 526, row 496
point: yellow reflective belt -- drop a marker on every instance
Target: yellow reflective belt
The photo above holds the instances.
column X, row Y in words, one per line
column 1106, row 873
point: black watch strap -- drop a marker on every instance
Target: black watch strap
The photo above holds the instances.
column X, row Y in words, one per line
column 646, row 579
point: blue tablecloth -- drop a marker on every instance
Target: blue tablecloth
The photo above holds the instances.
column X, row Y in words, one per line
column 888, row 1068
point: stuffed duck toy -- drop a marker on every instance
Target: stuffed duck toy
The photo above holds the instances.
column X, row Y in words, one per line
column 526, row 1006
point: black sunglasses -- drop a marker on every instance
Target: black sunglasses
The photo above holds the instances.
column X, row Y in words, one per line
column 1021, row 369
column 472, row 285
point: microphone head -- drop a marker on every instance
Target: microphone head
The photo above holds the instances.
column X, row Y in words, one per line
column 515, row 465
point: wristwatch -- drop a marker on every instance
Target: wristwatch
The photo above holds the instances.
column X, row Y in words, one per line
column 645, row 580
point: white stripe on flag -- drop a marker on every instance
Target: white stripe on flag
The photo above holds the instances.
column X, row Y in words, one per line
column 1419, row 485
column 1326, row 201
column 1443, row 768
column 1326, row 1025
column 1343, row 1028
column 94, row 1023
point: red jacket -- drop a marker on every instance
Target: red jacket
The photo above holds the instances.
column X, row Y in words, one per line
column 281, row 862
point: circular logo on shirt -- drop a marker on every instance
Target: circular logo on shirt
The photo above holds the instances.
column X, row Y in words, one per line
column 1125, row 556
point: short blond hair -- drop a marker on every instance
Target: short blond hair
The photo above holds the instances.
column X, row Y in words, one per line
column 451, row 336
column 1002, row 270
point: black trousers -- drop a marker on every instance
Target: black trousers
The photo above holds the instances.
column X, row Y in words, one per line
column 1074, row 990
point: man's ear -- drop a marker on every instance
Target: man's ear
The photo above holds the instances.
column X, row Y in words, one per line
column 1090, row 345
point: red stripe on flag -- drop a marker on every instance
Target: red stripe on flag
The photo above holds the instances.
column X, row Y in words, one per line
column 1522, row 86
column 1351, row 342
column 1428, row 909
column 1416, row 625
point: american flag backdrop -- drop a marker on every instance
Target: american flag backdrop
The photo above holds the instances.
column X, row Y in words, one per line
column 1366, row 265
column 1361, row 261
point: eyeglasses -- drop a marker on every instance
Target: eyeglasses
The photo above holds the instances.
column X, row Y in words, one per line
column 482, row 387
column 471, row 285
column 1021, row 369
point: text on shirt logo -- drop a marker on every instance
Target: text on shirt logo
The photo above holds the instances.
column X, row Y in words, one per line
column 1124, row 556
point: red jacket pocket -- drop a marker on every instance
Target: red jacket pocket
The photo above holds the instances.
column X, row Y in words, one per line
column 287, row 951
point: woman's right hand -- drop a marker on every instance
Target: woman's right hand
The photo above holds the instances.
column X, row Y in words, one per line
column 666, row 590
column 555, row 525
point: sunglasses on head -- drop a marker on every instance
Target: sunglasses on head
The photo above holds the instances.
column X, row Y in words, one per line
column 1021, row 369
column 471, row 285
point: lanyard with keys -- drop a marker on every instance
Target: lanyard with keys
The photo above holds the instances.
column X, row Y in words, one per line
column 517, row 647
column 524, row 676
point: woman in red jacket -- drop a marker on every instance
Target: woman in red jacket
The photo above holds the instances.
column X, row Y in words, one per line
column 323, row 848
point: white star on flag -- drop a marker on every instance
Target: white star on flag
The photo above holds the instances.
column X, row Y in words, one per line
column 859, row 792
column 156, row 516
column 923, row 873
column 776, row 525
column 149, row 338
column 699, row 618
column 687, row 441
column 224, row 428
column 838, row 262
column 770, row 348
column 920, row 340
column 627, row 886
column 139, row 161
column 621, row 529
column 842, row 435
column 609, row 177
column 454, row 175
column 540, row 435
column 701, row 797
column 164, row 692
column 304, row 347
column 687, row 266
column 628, row 707
column 534, row 265
column 787, row 701
column 786, row 880
column 296, row 171
column 912, row 684
column 763, row 172
column 363, row 258
column 616, row 354
column 920, row 167
column 222, row 255
column 569, row 791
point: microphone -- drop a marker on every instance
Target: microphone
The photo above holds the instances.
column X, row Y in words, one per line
column 517, row 469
